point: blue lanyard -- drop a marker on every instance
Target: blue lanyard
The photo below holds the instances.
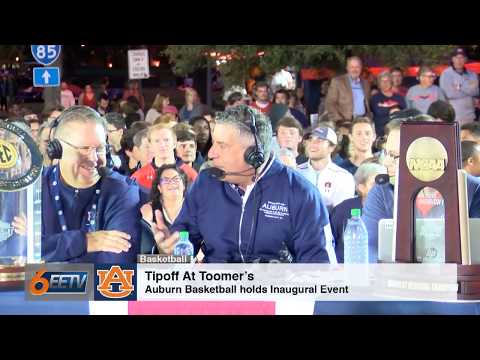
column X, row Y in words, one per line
column 90, row 224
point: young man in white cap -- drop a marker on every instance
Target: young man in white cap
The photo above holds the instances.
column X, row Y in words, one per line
column 334, row 183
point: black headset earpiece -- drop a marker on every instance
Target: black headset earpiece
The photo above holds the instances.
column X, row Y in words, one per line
column 254, row 155
column 54, row 147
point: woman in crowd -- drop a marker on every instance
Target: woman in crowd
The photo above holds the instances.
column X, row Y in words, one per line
column 382, row 102
column 192, row 107
column 204, row 135
column 87, row 97
column 364, row 181
column 167, row 195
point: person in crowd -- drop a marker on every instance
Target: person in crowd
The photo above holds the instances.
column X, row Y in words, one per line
column 383, row 101
column 87, row 97
column 158, row 108
column 186, row 149
column 163, row 141
column 471, row 157
column 349, row 95
column 283, row 96
column 442, row 110
column 334, row 183
column 460, row 87
column 364, row 181
column 193, row 107
column 362, row 138
column 397, row 82
column 51, row 113
column 289, row 136
column 132, row 88
column 136, row 147
column 34, row 122
column 66, row 95
column 204, row 135
column 234, row 99
column 116, row 127
column 261, row 101
column 324, row 86
column 168, row 193
column 167, row 119
column 470, row 132
column 423, row 95
column 104, row 105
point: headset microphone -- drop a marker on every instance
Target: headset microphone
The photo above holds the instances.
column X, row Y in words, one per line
column 219, row 174
column 382, row 179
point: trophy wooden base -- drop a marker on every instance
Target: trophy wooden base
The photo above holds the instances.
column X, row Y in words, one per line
column 468, row 282
column 12, row 278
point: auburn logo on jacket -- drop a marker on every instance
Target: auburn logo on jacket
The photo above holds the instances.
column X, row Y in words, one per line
column 115, row 283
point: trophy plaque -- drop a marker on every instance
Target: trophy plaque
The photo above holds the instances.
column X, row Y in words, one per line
column 20, row 203
column 432, row 223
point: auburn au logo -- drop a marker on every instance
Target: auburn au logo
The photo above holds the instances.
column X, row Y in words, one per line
column 115, row 275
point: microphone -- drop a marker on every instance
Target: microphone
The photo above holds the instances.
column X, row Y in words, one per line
column 219, row 174
column 382, row 179
column 104, row 171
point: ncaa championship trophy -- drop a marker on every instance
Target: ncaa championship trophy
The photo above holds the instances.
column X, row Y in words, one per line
column 20, row 198
column 431, row 221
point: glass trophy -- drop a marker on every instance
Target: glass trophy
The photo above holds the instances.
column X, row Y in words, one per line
column 429, row 226
column 20, row 204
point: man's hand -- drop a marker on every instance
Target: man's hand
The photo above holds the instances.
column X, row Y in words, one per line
column 20, row 224
column 165, row 242
column 109, row 241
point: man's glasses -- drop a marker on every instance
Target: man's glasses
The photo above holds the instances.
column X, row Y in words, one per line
column 167, row 181
column 431, row 76
column 87, row 150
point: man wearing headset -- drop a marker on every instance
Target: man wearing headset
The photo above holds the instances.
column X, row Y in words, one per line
column 89, row 213
column 249, row 207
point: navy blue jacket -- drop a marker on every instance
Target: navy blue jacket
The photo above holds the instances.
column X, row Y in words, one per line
column 118, row 209
column 283, row 211
column 379, row 205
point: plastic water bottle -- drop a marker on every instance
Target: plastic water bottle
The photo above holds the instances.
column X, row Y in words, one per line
column 355, row 239
column 183, row 247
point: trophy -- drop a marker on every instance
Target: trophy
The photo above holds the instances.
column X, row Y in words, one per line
column 20, row 199
column 431, row 223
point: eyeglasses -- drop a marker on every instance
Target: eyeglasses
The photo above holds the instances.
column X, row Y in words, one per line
column 384, row 154
column 431, row 76
column 112, row 131
column 87, row 150
column 166, row 181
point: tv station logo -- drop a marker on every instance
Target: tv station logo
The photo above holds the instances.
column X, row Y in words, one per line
column 59, row 282
column 116, row 282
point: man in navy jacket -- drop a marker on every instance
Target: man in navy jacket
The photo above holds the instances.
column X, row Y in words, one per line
column 250, row 211
column 87, row 218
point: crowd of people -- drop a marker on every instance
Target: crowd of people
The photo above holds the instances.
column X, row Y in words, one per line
column 231, row 178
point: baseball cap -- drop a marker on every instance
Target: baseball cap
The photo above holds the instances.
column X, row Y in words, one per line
column 325, row 133
column 459, row 51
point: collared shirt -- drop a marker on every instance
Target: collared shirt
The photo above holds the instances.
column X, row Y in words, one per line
column 358, row 97
column 334, row 183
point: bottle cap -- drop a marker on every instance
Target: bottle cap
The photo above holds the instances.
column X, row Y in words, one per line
column 356, row 212
column 184, row 236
